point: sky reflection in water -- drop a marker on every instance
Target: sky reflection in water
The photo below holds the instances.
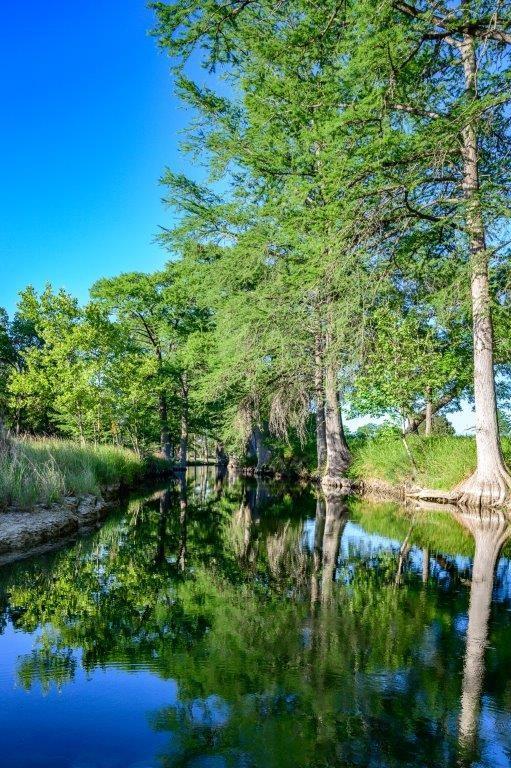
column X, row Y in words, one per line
column 217, row 623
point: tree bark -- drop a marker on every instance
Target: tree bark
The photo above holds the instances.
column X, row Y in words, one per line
column 490, row 484
column 490, row 531
column 320, row 410
column 338, row 455
column 429, row 414
column 165, row 444
column 183, row 440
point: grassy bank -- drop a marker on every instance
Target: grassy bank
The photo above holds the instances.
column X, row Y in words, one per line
column 45, row 470
column 439, row 462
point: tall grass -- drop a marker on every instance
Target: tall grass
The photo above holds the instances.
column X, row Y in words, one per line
column 440, row 461
column 45, row 470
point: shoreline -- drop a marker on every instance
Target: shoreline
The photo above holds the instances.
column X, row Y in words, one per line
column 44, row 527
column 28, row 532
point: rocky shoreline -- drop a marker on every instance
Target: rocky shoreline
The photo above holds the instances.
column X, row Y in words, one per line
column 23, row 533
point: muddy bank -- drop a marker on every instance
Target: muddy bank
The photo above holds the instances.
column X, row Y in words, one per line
column 23, row 533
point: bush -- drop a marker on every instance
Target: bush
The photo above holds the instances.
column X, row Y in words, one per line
column 45, row 470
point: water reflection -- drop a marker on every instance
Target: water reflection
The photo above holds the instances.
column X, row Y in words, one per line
column 288, row 628
column 490, row 531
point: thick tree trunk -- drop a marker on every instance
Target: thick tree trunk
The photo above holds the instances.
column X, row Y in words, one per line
column 320, row 410
column 258, row 449
column 165, row 444
column 490, row 484
column 220, row 455
column 490, row 531
column 338, row 456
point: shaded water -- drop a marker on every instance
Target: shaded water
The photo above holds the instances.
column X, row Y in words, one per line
column 214, row 624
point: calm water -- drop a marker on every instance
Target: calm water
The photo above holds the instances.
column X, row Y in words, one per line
column 215, row 624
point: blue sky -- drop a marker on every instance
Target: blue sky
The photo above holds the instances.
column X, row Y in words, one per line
column 88, row 125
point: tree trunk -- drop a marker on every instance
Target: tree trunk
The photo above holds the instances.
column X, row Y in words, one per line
column 258, row 449
column 415, row 421
column 320, row 411
column 220, row 455
column 490, row 532
column 338, row 456
column 165, row 444
column 183, row 440
column 490, row 483
column 429, row 414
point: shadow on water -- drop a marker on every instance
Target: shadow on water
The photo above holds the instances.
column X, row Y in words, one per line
column 286, row 628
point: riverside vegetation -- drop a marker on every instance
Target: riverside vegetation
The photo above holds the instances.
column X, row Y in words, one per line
column 45, row 470
column 346, row 252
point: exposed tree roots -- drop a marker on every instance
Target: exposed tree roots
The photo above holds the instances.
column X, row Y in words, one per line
column 331, row 483
column 485, row 491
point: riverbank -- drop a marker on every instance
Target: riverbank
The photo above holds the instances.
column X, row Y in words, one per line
column 52, row 489
column 429, row 468
column 45, row 471
column 388, row 466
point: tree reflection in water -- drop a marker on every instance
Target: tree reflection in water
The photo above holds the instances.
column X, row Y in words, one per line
column 490, row 531
column 276, row 613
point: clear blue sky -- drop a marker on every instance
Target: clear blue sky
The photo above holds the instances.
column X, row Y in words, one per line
column 88, row 125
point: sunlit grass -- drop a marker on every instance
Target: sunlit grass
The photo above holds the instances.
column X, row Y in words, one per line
column 45, row 470
column 440, row 461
